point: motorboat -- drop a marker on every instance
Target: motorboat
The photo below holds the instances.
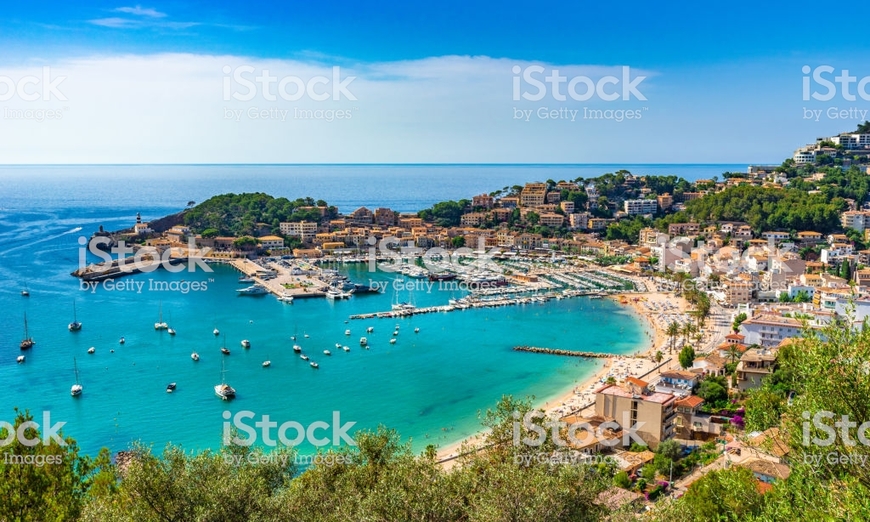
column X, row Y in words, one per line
column 314, row 365
column 216, row 332
column 347, row 332
column 246, row 343
column 252, row 290
column 416, row 330
column 170, row 387
column 303, row 357
column 363, row 341
column 266, row 364
column 20, row 359
column 297, row 348
column 91, row 350
column 327, row 352
column 393, row 340
column 370, row 329
column 345, row 348
column 122, row 340
column 194, row 356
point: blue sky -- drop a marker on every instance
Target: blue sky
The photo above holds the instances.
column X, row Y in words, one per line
column 143, row 82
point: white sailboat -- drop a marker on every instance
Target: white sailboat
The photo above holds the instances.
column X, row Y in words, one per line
column 74, row 326
column 28, row 342
column 160, row 325
column 76, row 388
column 224, row 390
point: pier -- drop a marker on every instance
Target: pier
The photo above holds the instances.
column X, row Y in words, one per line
column 567, row 353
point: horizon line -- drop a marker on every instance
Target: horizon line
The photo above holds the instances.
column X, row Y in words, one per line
column 477, row 164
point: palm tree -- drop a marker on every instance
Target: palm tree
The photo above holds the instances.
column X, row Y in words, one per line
column 733, row 352
column 687, row 330
column 673, row 331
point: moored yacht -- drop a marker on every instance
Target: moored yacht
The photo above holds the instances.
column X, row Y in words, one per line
column 224, row 390
column 28, row 342
column 194, row 356
column 76, row 388
column 253, row 290
column 363, row 341
column 75, row 325
column 246, row 343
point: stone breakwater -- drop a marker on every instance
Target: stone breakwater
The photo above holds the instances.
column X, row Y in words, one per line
column 568, row 353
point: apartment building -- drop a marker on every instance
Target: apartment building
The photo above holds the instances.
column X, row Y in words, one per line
column 578, row 221
column 855, row 219
column 633, row 404
column 533, row 194
column 304, row 230
column 552, row 219
column 769, row 330
column 639, row 207
column 683, row 229
column 483, row 200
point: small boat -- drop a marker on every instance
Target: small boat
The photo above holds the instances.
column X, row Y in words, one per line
column 345, row 348
column 397, row 327
column 347, row 332
column 292, row 337
column 416, row 330
column 160, row 324
column 216, row 332
column 393, row 340
column 245, row 279
column 286, row 299
column 75, row 325
column 224, row 390
column 122, row 340
column 25, row 293
column 92, row 350
column 305, row 336
column 338, row 345
column 170, row 387
column 297, row 348
column 170, row 331
column 370, row 329
column 314, row 365
column 20, row 359
column 363, row 341
column 194, row 356
column 246, row 343
column 327, row 352
column 76, row 388
column 303, row 357
column 395, row 332
column 266, row 364
column 225, row 350
column 28, row 342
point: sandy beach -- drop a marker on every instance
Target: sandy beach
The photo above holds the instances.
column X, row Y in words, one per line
column 657, row 310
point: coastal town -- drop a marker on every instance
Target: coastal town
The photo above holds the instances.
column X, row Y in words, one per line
column 722, row 296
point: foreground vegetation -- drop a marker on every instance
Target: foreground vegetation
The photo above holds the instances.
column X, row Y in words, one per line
column 382, row 479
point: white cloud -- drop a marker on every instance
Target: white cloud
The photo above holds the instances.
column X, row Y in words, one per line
column 170, row 108
column 140, row 11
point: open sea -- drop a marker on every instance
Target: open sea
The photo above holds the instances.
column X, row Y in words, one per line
column 429, row 386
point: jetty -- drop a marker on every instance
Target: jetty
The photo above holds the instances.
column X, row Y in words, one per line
column 567, row 353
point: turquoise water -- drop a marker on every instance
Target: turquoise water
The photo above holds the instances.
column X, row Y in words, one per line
column 429, row 386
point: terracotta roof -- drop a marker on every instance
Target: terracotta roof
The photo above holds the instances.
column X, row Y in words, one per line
column 692, row 401
column 767, row 468
column 636, row 382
